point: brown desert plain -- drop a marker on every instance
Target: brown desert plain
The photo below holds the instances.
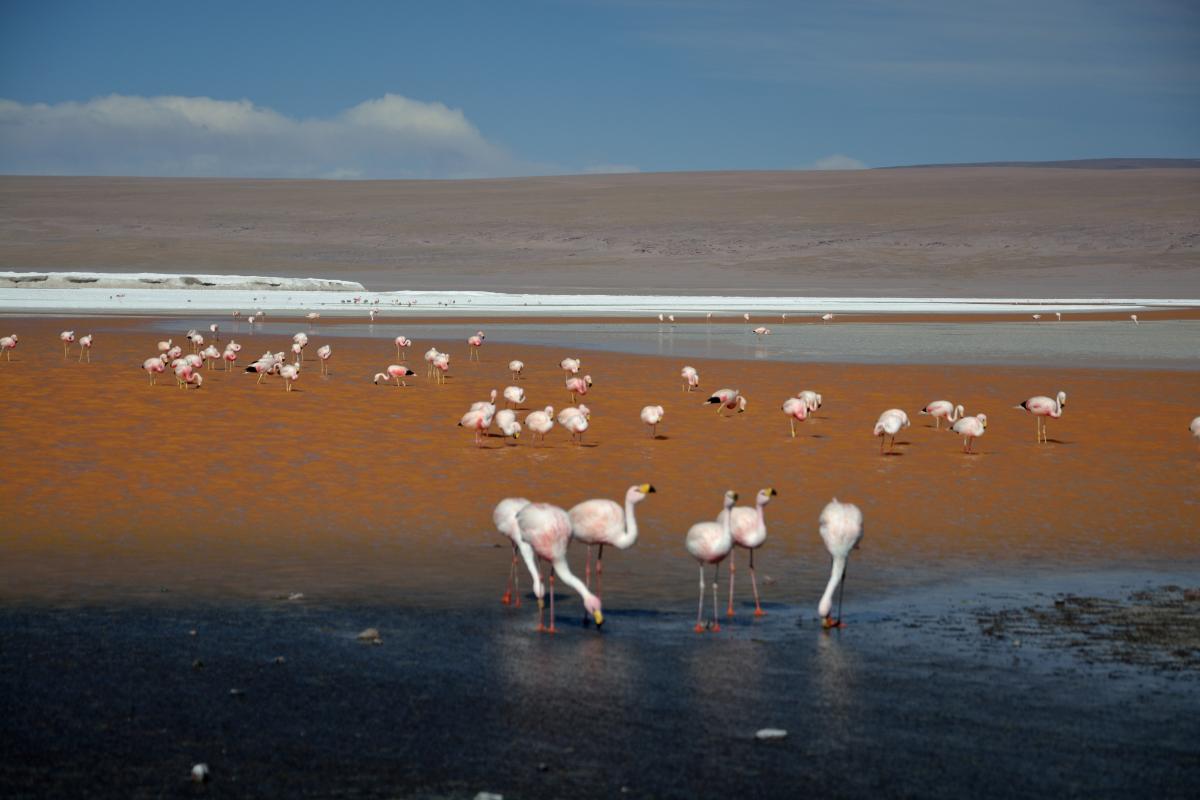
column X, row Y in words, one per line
column 116, row 488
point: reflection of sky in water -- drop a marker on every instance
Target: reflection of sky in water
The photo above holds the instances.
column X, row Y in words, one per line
column 1173, row 344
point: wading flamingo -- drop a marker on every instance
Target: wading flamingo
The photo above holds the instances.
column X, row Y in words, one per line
column 575, row 424
column 209, row 354
column 402, row 345
column 215, row 330
column 478, row 420
column 195, row 379
column 514, row 395
column 325, row 352
column 603, row 522
column 515, row 368
column 1134, row 318
column 652, row 415
column 761, row 332
column 547, row 529
column 710, row 543
column 540, row 422
column 797, row 410
column 505, row 519
column 890, row 423
column 396, row 372
column 441, row 366
column 85, row 346
column 748, row 526
column 727, row 399
column 691, row 378
column 746, row 316
column 488, row 405
column 154, row 367
column 827, row 317
column 812, row 400
column 372, row 314
column 940, row 409
column 578, row 386
column 476, row 342
column 430, row 355
column 67, row 337
column 506, row 422
column 1042, row 406
column 230, row 357
column 970, row 428
column 290, row 374
column 570, row 366
column 1037, row 317
column 842, row 530
column 8, row 344
column 312, row 316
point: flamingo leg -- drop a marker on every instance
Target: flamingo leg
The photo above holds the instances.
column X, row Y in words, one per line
column 716, row 626
column 700, row 607
column 552, row 629
column 508, row 586
column 600, row 571
column 587, row 569
column 792, row 422
column 841, row 593
column 758, row 612
column 541, row 603
column 732, row 572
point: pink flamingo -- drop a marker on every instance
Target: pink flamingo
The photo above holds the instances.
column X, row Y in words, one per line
column 230, row 357
column 576, row 424
column 761, row 332
column 154, row 367
column 748, row 526
column 174, row 352
column 402, row 345
column 540, row 422
column 505, row 519
column 210, row 354
column 1042, row 406
column 691, row 378
column 890, row 423
column 290, row 374
column 478, row 420
column 796, row 409
column 215, row 330
column 514, row 395
column 183, row 374
column 811, row 399
column 841, row 529
column 442, row 365
column 67, row 337
column 430, row 355
column 8, row 344
column 1195, row 427
column 515, row 367
column 727, row 399
column 578, row 386
column 940, row 409
column 970, row 428
column 710, row 543
column 476, row 342
column 547, row 530
column 397, row 372
column 570, row 366
column 602, row 522
column 85, row 346
column 325, row 352
column 652, row 415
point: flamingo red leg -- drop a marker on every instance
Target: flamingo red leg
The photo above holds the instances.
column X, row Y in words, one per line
column 758, row 612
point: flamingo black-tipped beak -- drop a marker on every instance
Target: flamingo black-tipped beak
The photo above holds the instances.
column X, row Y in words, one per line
column 647, row 489
column 772, row 492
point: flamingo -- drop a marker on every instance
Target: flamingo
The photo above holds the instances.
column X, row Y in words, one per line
column 540, row 422
column 942, row 408
column 290, row 374
column 194, row 379
column 746, row 316
column 710, row 543
column 430, row 354
column 230, row 357
column 652, row 415
column 297, row 351
column 85, row 346
column 812, row 400
column 1195, row 427
column 514, row 395
column 478, row 420
column 67, row 338
column 209, row 353
column 796, row 409
column 570, row 366
column 970, row 428
column 505, row 519
column 154, row 367
column 890, row 423
column 442, row 365
column 661, row 318
column 842, row 530
column 300, row 339
column 691, row 378
column 727, row 399
column 374, row 312
column 577, row 424
column 8, row 344
column 237, row 314
column 1037, row 317
column 783, row 317
column 197, row 341
column 312, row 316
column 397, row 372
column 515, row 368
column 215, row 330
column 827, row 317
column 325, row 352
column 547, row 529
column 1134, row 318
column 488, row 405
column 578, row 386
column 183, row 374
column 402, row 345
column 165, row 346
column 1042, row 406
column 603, row 522
column 476, row 342
column 748, row 526
column 1058, row 315
column 506, row 421
column 175, row 352
column 761, row 332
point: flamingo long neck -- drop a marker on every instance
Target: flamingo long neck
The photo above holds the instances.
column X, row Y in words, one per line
column 530, row 564
column 566, row 576
column 762, row 516
column 728, row 523
column 835, row 578
column 627, row 540
column 1058, row 405
column 955, row 413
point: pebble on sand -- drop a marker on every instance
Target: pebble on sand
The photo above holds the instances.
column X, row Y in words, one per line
column 770, row 734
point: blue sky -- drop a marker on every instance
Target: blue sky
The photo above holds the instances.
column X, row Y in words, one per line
column 446, row 89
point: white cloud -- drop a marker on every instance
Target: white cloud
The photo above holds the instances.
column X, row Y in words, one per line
column 838, row 161
column 387, row 137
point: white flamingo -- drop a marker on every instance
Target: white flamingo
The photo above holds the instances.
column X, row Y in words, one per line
column 547, row 530
column 1041, row 406
column 652, row 416
column 727, row 399
column 691, row 378
column 515, row 367
column 748, row 526
column 842, row 531
column 709, row 543
column 890, row 423
column 601, row 522
column 540, row 422
column 325, row 352
column 943, row 409
column 514, row 395
column 971, row 428
column 505, row 519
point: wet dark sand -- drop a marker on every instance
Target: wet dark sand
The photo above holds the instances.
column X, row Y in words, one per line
column 134, row 515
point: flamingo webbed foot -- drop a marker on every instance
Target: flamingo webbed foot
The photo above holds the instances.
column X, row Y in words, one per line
column 758, row 612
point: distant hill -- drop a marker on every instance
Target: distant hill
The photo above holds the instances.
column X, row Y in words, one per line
column 1082, row 163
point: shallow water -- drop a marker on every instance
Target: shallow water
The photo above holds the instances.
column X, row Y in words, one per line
column 1170, row 344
